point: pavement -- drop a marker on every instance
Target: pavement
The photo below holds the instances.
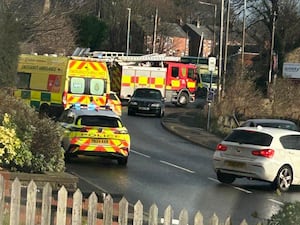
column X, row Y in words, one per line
column 183, row 124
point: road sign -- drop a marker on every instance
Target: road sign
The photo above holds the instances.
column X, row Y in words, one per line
column 212, row 64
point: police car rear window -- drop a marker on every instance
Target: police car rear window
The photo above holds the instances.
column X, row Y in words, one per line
column 98, row 121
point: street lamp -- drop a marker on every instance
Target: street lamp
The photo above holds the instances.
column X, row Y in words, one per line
column 214, row 28
column 128, row 31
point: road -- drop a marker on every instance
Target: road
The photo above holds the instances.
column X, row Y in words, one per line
column 167, row 170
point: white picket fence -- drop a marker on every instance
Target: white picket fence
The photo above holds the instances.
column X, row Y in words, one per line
column 21, row 207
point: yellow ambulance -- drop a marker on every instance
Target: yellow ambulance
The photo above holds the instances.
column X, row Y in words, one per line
column 54, row 83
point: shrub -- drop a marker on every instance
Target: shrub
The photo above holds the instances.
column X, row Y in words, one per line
column 287, row 215
column 40, row 138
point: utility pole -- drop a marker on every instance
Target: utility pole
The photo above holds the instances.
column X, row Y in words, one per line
column 128, row 31
column 46, row 8
column 274, row 9
column 226, row 49
column 221, row 50
column 244, row 36
column 214, row 26
column 155, row 31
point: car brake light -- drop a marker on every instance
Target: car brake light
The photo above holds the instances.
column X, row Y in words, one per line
column 64, row 99
column 268, row 153
column 221, row 147
column 120, row 132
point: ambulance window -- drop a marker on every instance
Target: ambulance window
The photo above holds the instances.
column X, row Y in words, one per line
column 97, row 86
column 23, row 80
column 175, row 71
column 77, row 85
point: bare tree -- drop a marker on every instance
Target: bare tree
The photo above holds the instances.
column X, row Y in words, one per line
column 46, row 27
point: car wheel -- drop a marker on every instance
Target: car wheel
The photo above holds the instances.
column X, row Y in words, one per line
column 225, row 178
column 160, row 113
column 130, row 112
column 123, row 161
column 183, row 99
column 284, row 179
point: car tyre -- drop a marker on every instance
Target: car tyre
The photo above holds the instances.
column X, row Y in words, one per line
column 284, row 179
column 183, row 99
column 130, row 112
column 123, row 161
column 160, row 114
column 225, row 178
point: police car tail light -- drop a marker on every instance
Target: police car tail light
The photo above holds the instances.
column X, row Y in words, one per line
column 121, row 132
column 79, row 129
column 64, row 98
column 267, row 153
column 125, row 149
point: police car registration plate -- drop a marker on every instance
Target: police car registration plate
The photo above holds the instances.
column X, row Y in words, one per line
column 100, row 141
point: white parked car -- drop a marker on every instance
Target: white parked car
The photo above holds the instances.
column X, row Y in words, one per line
column 268, row 154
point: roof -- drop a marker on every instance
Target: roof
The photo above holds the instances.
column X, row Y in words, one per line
column 271, row 121
column 200, row 30
column 269, row 130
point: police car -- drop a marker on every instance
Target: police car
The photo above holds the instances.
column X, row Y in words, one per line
column 92, row 131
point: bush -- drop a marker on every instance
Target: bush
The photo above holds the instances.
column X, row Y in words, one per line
column 287, row 215
column 40, row 138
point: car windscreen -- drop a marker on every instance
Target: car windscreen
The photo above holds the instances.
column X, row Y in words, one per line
column 286, row 126
column 151, row 94
column 99, row 121
column 249, row 137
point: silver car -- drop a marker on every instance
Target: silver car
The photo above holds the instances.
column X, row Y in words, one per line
column 260, row 153
column 276, row 123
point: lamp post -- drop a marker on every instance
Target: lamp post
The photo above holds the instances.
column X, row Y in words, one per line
column 272, row 43
column 244, row 37
column 128, row 31
column 214, row 27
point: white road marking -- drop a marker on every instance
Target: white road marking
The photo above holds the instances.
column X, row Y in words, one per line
column 242, row 189
column 138, row 153
column 237, row 188
column 213, row 179
column 275, row 201
column 178, row 167
column 89, row 182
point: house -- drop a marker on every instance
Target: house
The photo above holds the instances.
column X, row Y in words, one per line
column 200, row 40
column 170, row 39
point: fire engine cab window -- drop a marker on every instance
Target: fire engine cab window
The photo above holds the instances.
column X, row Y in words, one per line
column 97, row 87
column 175, row 71
column 191, row 74
column 77, row 85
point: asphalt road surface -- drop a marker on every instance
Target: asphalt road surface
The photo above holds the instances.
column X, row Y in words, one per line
column 170, row 171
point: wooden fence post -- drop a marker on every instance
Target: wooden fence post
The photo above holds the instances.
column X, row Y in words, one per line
column 31, row 203
column 46, row 205
column 61, row 213
column 92, row 211
column 77, row 208
column 138, row 213
column 108, row 210
column 2, row 199
column 15, row 203
column 153, row 215
column 123, row 212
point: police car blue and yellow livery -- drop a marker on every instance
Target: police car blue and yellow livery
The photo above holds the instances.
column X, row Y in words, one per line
column 94, row 132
